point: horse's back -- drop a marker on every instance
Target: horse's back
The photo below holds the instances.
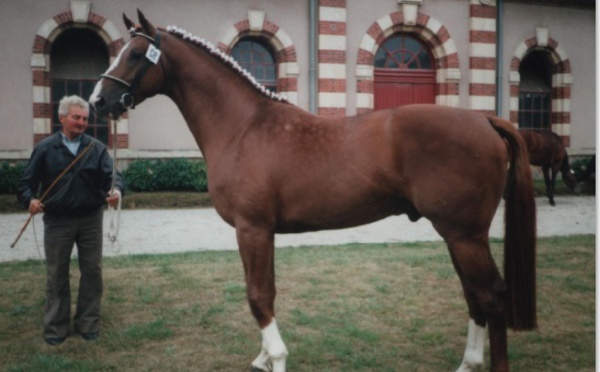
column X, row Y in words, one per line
column 545, row 148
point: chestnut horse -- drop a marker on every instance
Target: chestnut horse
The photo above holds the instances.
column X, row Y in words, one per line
column 547, row 150
column 275, row 168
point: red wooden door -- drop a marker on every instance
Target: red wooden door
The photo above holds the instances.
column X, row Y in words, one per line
column 394, row 88
column 404, row 73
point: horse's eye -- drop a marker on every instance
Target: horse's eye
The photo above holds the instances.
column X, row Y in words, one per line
column 136, row 55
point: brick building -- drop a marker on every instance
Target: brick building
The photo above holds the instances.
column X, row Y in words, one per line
column 531, row 61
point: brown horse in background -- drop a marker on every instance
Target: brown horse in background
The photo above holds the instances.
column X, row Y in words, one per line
column 547, row 150
column 275, row 168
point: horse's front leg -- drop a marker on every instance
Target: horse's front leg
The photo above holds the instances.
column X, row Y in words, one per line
column 257, row 251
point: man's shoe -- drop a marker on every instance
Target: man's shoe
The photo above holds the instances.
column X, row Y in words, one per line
column 92, row 336
column 54, row 341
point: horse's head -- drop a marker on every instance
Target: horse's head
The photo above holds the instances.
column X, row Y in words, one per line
column 134, row 75
column 571, row 181
column 568, row 175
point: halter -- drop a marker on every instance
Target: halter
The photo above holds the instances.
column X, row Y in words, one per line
column 152, row 56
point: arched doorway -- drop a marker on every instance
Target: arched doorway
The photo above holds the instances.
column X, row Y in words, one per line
column 535, row 91
column 546, row 55
column 404, row 72
column 77, row 58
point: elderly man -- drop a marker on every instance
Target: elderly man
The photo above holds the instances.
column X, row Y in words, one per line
column 73, row 212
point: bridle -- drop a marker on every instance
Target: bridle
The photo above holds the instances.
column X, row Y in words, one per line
column 152, row 56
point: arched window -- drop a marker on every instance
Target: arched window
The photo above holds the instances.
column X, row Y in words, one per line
column 403, row 52
column 535, row 91
column 77, row 59
column 404, row 72
column 256, row 56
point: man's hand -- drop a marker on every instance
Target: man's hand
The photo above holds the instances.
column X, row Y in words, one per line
column 113, row 198
column 35, row 206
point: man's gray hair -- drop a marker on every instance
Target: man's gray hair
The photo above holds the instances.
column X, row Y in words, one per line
column 67, row 101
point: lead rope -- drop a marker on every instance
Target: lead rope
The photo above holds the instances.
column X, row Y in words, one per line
column 114, row 215
column 37, row 244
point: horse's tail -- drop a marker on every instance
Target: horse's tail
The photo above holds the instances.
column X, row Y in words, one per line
column 520, row 232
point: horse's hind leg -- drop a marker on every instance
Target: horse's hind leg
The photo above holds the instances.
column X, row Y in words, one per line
column 484, row 292
column 550, row 184
column 257, row 251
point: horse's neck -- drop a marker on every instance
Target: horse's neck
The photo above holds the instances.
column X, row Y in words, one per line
column 216, row 104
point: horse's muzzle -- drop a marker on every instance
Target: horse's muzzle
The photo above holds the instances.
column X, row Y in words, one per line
column 103, row 109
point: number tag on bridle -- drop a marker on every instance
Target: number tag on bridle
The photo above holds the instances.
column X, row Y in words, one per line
column 153, row 54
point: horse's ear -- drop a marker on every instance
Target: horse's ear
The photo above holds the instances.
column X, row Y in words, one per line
column 146, row 25
column 128, row 23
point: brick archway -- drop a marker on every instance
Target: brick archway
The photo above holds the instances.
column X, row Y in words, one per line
column 77, row 17
column 432, row 33
column 562, row 80
column 287, row 65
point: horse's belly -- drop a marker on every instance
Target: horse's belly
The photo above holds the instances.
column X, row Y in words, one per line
column 332, row 216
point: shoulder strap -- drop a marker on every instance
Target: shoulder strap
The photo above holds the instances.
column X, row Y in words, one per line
column 81, row 154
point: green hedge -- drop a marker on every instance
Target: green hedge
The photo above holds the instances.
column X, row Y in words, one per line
column 166, row 175
column 10, row 173
column 141, row 175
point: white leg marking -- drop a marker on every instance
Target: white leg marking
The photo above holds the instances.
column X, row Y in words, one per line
column 262, row 361
column 273, row 353
column 473, row 358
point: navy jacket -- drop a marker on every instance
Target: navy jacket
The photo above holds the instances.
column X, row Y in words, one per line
column 81, row 190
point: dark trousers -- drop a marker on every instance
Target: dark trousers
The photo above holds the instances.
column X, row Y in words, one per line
column 60, row 234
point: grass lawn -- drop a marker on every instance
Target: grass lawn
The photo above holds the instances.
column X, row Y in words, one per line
column 387, row 307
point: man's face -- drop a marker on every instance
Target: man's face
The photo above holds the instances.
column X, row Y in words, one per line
column 75, row 122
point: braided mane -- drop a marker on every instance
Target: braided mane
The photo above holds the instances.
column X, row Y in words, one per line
column 226, row 59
